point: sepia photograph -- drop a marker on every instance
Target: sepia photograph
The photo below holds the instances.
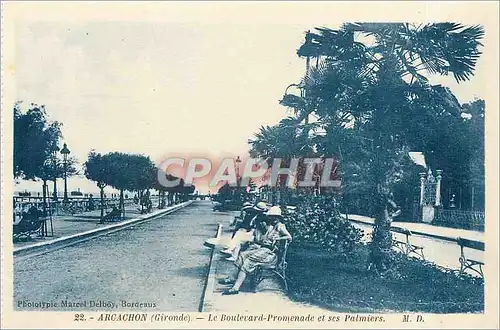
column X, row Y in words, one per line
column 253, row 164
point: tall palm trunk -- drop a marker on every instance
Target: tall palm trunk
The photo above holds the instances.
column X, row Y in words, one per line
column 381, row 245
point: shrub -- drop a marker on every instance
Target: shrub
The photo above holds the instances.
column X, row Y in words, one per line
column 317, row 220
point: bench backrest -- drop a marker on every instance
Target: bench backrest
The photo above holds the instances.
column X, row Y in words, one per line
column 401, row 230
column 29, row 224
column 467, row 243
column 282, row 251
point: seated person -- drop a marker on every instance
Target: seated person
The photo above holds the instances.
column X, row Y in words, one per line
column 262, row 252
column 243, row 210
column 244, row 230
column 115, row 214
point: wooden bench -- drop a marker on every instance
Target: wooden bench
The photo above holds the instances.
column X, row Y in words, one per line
column 406, row 247
column 467, row 263
column 114, row 215
column 30, row 224
column 280, row 269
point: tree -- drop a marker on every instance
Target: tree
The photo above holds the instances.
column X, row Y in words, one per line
column 365, row 90
column 57, row 168
column 122, row 171
column 288, row 139
column 119, row 176
column 162, row 190
column 141, row 174
column 34, row 138
column 98, row 168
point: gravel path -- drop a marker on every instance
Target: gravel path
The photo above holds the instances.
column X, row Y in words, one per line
column 161, row 264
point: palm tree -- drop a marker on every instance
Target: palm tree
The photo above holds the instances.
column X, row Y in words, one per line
column 439, row 48
column 371, row 75
column 286, row 140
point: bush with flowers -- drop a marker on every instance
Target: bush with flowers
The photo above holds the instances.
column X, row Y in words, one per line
column 316, row 220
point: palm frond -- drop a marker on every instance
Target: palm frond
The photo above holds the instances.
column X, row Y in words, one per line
column 449, row 48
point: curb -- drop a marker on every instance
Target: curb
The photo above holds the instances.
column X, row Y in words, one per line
column 208, row 292
column 43, row 247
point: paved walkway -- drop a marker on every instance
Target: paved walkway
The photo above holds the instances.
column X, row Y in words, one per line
column 439, row 243
column 66, row 225
column 161, row 264
column 426, row 229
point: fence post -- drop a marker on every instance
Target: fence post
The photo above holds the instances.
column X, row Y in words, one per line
column 422, row 187
column 472, row 199
column 438, row 187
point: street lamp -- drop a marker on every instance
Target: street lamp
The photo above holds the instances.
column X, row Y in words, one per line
column 238, row 161
column 299, row 103
column 55, row 150
column 65, row 152
column 292, row 100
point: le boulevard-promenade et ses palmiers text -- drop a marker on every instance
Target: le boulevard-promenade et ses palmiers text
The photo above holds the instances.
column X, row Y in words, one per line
column 309, row 318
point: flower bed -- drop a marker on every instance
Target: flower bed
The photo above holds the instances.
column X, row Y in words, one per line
column 317, row 221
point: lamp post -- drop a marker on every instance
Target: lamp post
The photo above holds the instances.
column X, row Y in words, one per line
column 238, row 161
column 55, row 150
column 65, row 152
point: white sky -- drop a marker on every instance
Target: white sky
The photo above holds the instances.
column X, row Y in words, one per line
column 159, row 89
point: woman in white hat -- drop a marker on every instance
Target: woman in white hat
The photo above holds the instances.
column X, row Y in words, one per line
column 263, row 251
column 244, row 231
column 240, row 217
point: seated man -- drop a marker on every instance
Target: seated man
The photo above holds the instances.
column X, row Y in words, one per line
column 244, row 230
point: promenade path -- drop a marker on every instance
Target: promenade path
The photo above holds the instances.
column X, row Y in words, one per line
column 438, row 243
column 428, row 229
column 65, row 225
column 161, row 263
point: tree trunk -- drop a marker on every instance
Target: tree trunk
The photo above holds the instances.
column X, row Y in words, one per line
column 381, row 245
column 122, row 204
column 141, row 198
column 44, row 197
column 102, row 205
column 54, row 194
column 44, row 206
